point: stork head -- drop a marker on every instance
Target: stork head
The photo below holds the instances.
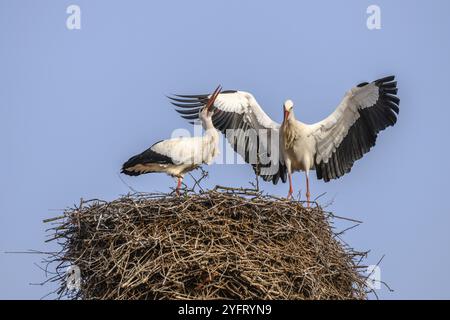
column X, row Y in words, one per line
column 208, row 110
column 288, row 106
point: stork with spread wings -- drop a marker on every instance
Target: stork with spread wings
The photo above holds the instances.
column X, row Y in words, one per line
column 275, row 151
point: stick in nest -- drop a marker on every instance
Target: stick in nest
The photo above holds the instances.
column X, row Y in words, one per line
column 226, row 243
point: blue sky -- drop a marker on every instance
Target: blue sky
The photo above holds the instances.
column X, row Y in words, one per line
column 75, row 104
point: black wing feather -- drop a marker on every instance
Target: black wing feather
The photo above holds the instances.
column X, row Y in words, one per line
column 146, row 157
column 363, row 133
column 191, row 105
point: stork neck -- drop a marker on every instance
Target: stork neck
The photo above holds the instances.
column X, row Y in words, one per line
column 210, row 130
column 211, row 133
column 207, row 124
column 210, row 145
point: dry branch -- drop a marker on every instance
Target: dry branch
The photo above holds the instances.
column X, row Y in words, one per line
column 225, row 243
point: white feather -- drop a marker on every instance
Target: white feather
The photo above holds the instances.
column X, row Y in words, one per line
column 242, row 102
column 330, row 132
column 189, row 150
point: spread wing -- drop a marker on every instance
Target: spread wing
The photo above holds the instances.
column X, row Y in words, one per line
column 351, row 130
column 249, row 130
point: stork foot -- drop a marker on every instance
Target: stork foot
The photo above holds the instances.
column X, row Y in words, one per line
column 289, row 195
column 291, row 190
column 178, row 186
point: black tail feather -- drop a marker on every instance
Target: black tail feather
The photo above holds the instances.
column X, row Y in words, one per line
column 147, row 157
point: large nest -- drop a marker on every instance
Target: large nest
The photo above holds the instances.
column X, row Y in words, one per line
column 215, row 245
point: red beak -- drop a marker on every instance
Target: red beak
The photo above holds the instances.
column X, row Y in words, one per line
column 286, row 115
column 213, row 98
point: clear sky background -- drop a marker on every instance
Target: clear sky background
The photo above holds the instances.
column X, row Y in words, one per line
column 74, row 105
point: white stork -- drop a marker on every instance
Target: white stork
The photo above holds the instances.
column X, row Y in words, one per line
column 178, row 156
column 330, row 146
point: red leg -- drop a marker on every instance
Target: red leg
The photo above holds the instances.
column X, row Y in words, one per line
column 179, row 185
column 291, row 190
column 307, row 189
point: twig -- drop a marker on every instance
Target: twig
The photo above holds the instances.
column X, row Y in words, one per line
column 226, row 243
